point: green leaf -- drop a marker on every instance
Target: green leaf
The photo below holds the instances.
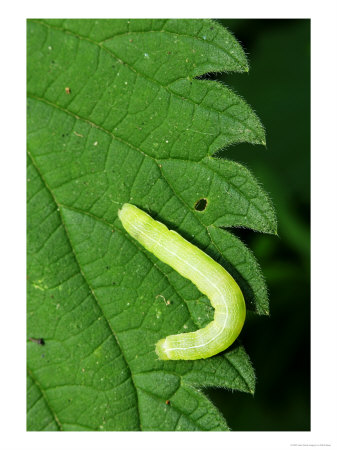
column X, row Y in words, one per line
column 115, row 115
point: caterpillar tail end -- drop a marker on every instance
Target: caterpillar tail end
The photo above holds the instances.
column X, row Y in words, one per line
column 161, row 350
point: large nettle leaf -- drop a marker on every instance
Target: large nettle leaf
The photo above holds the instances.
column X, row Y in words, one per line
column 117, row 113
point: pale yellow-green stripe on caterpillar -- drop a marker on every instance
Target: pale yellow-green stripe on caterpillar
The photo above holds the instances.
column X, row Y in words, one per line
column 210, row 278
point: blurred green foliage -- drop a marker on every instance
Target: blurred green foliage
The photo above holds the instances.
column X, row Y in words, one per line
column 278, row 87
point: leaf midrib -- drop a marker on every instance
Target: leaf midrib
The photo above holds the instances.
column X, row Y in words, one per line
column 157, row 161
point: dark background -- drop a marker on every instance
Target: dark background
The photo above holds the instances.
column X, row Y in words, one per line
column 278, row 88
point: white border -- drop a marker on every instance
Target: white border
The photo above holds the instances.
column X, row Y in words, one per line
column 324, row 218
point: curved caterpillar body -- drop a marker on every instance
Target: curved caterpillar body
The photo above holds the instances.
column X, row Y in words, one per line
column 210, row 278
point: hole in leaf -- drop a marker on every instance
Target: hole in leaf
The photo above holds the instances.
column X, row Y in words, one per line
column 201, row 204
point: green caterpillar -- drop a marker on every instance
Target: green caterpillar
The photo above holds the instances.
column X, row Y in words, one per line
column 210, row 278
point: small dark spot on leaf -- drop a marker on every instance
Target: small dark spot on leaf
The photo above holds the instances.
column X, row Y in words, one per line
column 201, row 204
column 212, row 28
column 38, row 341
column 168, row 53
column 51, row 296
column 167, row 402
column 68, row 91
column 107, row 267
